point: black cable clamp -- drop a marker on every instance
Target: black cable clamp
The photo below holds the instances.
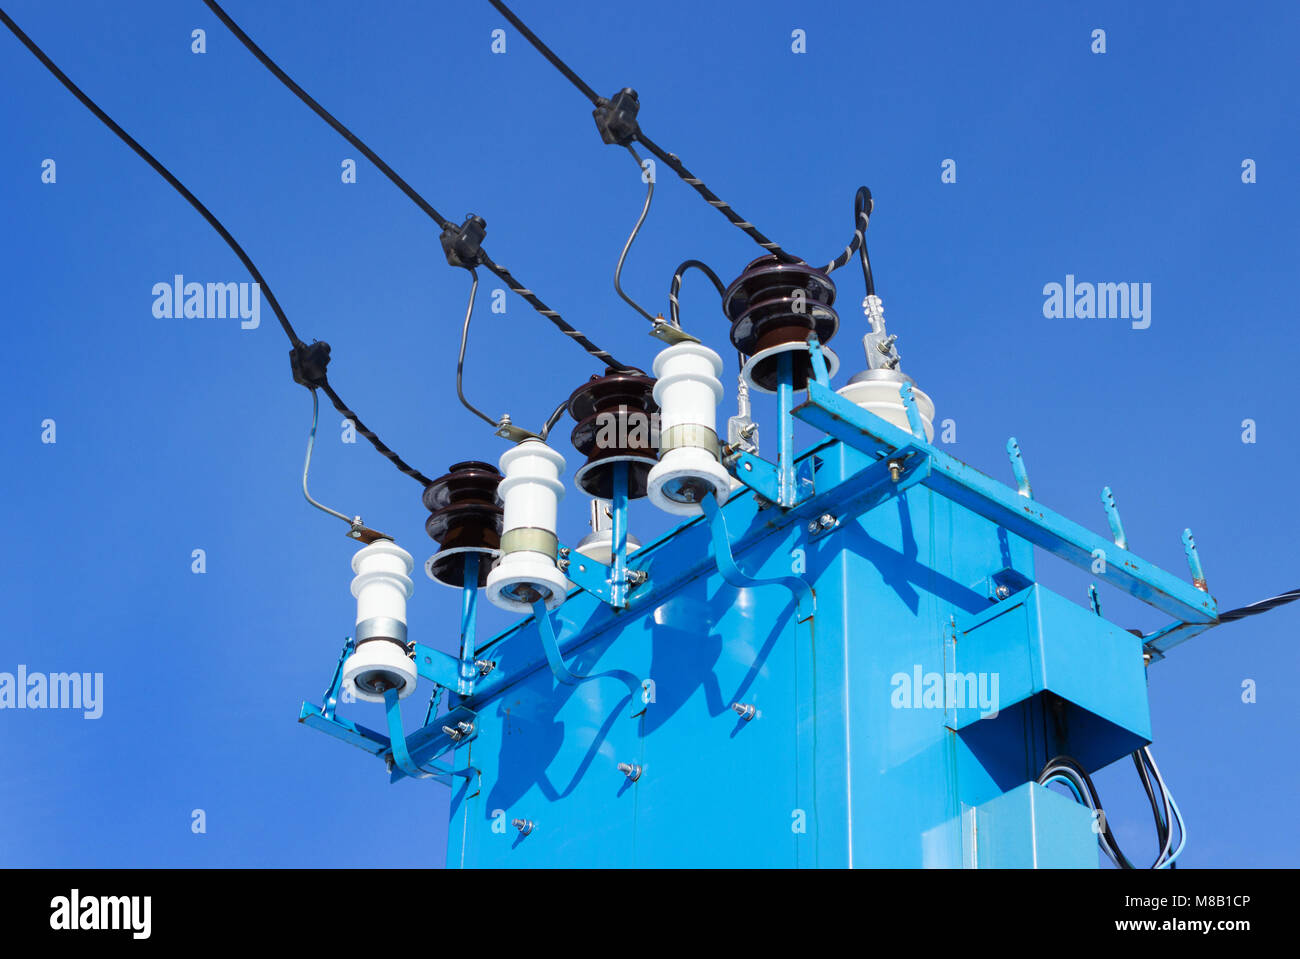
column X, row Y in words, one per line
column 616, row 117
column 463, row 243
column 309, row 362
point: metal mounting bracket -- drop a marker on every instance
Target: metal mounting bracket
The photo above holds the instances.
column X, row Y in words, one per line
column 566, row 676
column 804, row 597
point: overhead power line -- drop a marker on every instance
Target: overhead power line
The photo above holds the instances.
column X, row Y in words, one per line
column 616, row 118
column 506, row 277
column 303, row 356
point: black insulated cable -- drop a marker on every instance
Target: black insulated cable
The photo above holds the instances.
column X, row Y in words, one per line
column 516, row 287
column 547, row 52
column 1253, row 609
column 1263, row 606
column 862, row 209
column 308, row 360
column 674, row 308
column 161, row 170
column 616, row 119
column 374, row 440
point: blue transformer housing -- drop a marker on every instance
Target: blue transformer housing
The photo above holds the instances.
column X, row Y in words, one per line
column 866, row 746
column 848, row 664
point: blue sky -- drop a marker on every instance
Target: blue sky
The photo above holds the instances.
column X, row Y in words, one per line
column 183, row 434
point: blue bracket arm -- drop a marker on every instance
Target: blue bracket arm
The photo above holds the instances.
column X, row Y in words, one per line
column 397, row 737
column 408, row 756
column 563, row 674
column 733, row 574
column 436, row 666
column 331, row 700
column 758, row 474
column 598, row 579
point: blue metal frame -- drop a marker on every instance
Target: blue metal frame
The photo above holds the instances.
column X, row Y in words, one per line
column 1046, row 529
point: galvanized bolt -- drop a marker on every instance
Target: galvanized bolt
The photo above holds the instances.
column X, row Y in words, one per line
column 1003, row 592
column 525, row 826
column 895, row 469
column 459, row 732
column 826, row 521
column 745, row 711
column 637, row 576
column 631, row 770
column 485, row 666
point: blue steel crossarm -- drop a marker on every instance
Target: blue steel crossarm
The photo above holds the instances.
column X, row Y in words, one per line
column 314, row 717
column 1028, row 519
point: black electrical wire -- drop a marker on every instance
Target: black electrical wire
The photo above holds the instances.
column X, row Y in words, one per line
column 1253, row 609
column 515, row 286
column 1157, row 811
column 673, row 162
column 216, row 224
column 862, row 207
column 161, row 170
column 375, row 441
column 547, row 52
column 328, row 117
column 1158, row 806
column 1077, row 767
column 1263, row 606
column 675, row 288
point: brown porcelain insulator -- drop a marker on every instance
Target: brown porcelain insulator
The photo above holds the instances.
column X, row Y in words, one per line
column 774, row 303
column 617, row 422
column 466, row 515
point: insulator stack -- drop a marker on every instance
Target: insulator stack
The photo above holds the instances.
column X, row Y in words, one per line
column 617, row 423
column 382, row 586
column 773, row 306
column 530, row 491
column 466, row 519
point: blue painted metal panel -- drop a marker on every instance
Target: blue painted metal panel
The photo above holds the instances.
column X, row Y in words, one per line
column 829, row 755
column 1033, row 827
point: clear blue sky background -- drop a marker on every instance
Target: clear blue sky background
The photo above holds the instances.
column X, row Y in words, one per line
column 182, row 434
